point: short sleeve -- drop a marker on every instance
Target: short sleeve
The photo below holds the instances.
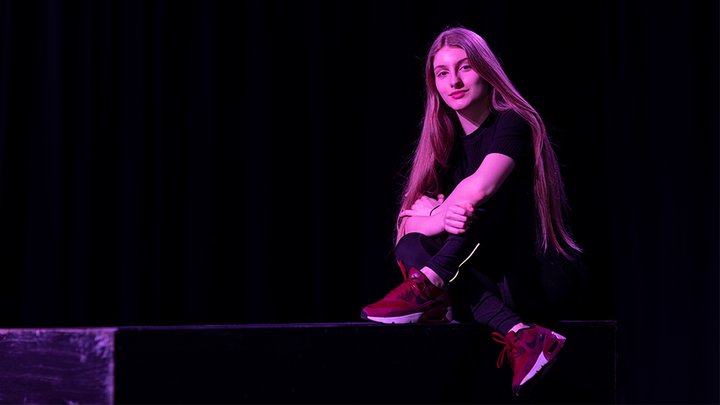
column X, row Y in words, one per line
column 513, row 137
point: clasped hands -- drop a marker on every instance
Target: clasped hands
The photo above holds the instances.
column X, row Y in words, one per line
column 456, row 217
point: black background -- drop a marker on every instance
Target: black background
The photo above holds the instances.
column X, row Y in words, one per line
column 180, row 162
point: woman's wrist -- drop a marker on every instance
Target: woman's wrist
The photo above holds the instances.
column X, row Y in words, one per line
column 438, row 225
column 425, row 225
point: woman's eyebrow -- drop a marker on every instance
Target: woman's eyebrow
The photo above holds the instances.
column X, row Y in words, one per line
column 457, row 63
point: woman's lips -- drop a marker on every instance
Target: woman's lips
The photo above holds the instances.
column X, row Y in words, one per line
column 458, row 94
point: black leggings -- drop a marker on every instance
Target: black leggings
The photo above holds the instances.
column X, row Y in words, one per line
column 538, row 293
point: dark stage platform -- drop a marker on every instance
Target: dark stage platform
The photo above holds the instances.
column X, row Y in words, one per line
column 294, row 363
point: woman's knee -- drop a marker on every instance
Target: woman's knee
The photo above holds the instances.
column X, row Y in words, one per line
column 415, row 249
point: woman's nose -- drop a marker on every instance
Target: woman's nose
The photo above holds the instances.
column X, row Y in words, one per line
column 455, row 81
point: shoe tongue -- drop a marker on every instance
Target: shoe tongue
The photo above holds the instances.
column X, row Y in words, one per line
column 415, row 274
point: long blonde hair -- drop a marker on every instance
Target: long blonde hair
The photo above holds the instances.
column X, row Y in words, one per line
column 437, row 136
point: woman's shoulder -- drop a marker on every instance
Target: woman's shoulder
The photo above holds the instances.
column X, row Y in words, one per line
column 511, row 119
column 509, row 124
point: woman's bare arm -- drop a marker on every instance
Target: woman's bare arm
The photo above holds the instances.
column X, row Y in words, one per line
column 472, row 191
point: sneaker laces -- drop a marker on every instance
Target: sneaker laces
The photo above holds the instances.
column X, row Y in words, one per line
column 402, row 269
column 409, row 285
column 507, row 351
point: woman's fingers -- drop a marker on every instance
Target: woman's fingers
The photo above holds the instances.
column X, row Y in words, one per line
column 460, row 211
column 455, row 223
column 454, row 230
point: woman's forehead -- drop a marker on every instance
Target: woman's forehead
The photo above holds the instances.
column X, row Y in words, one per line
column 448, row 55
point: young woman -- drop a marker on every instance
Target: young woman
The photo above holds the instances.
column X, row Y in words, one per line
column 482, row 216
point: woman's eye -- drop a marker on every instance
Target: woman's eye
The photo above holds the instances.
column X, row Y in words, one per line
column 441, row 74
column 466, row 67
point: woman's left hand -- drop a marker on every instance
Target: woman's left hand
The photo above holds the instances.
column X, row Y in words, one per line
column 423, row 206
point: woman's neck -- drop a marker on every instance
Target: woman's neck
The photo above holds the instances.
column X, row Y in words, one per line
column 471, row 118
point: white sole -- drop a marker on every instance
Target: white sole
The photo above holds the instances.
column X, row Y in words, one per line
column 542, row 360
column 411, row 318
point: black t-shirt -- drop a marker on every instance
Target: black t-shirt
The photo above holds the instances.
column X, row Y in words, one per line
column 506, row 226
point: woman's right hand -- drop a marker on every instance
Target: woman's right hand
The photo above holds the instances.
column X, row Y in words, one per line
column 458, row 217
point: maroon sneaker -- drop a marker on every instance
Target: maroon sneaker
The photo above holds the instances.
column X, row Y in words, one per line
column 531, row 351
column 416, row 300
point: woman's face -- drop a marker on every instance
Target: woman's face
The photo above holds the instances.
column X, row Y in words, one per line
column 458, row 83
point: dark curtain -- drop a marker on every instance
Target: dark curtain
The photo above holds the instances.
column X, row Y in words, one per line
column 222, row 162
